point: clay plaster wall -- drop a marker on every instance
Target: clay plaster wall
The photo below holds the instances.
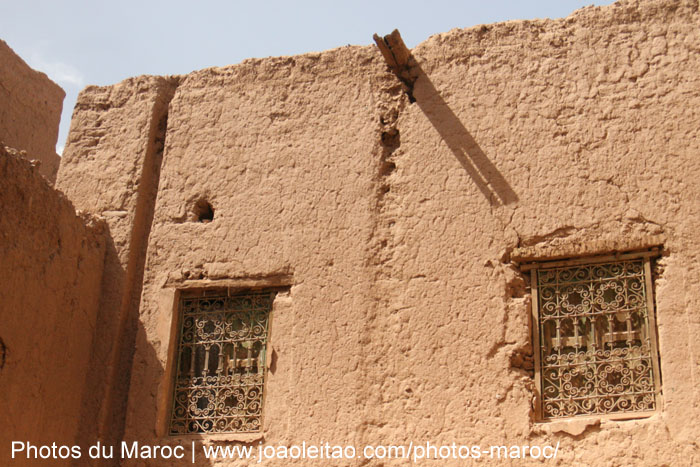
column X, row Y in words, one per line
column 51, row 267
column 30, row 110
column 399, row 226
column 110, row 168
column 287, row 153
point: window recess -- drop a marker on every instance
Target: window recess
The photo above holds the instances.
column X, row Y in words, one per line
column 221, row 362
column 595, row 337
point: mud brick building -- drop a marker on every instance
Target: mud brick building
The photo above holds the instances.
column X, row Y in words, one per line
column 491, row 240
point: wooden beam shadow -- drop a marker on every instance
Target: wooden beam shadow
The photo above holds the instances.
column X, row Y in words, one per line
column 485, row 174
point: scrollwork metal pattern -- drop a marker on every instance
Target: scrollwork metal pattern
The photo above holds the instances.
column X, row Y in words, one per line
column 595, row 346
column 220, row 373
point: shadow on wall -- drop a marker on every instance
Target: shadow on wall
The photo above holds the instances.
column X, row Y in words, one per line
column 95, row 383
column 149, row 368
column 467, row 151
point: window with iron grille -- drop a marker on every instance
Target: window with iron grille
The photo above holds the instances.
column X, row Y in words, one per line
column 595, row 337
column 221, row 366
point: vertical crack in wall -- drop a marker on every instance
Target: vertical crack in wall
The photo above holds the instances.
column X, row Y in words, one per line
column 114, row 411
column 391, row 100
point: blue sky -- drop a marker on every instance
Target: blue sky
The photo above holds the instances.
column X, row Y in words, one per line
column 78, row 43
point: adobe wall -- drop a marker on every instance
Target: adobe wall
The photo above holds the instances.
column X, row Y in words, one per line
column 538, row 140
column 110, row 168
column 287, row 152
column 51, row 267
column 30, row 110
column 399, row 226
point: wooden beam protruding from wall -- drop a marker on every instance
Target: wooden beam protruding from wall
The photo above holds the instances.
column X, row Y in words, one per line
column 397, row 56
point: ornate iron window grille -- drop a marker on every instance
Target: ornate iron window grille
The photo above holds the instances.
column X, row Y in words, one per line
column 221, row 363
column 595, row 339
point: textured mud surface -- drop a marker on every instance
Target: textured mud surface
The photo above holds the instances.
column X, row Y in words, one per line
column 30, row 110
column 399, row 226
column 51, row 267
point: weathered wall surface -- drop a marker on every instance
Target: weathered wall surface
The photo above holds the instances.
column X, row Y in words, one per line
column 30, row 111
column 288, row 153
column 110, row 168
column 542, row 140
column 399, row 225
column 51, row 267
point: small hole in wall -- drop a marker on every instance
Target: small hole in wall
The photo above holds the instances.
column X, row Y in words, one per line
column 391, row 138
column 203, row 212
column 387, row 168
